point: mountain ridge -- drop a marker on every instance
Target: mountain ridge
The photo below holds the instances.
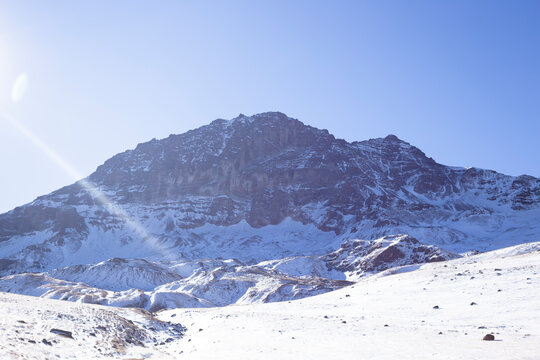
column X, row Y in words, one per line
column 264, row 187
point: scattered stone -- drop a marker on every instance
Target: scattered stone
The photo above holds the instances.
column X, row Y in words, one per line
column 200, row 330
column 46, row 342
column 473, row 303
column 343, row 321
column 482, row 327
column 436, row 307
column 497, row 270
column 499, row 290
column 386, row 325
column 489, row 337
column 173, row 315
column 31, row 341
column 21, row 321
column 326, row 316
column 440, row 332
column 347, row 295
column 63, row 333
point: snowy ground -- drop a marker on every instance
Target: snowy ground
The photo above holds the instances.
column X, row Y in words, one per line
column 27, row 328
column 386, row 316
column 350, row 323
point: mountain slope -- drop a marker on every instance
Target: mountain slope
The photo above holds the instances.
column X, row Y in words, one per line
column 266, row 187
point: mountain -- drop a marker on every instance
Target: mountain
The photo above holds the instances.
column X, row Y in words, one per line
column 260, row 188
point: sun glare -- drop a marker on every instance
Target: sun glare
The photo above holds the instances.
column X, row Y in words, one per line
column 98, row 195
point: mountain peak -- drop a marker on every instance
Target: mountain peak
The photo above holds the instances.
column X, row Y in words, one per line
column 392, row 137
column 268, row 116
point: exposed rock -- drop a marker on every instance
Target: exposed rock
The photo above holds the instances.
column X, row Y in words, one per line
column 362, row 256
column 63, row 333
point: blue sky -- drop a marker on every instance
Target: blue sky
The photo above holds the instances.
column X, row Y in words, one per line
column 460, row 79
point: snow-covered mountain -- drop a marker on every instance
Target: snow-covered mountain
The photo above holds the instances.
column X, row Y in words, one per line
column 265, row 209
column 261, row 188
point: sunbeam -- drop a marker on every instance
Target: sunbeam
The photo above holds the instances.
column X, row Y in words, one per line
column 90, row 188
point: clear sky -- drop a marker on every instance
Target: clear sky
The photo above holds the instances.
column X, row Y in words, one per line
column 458, row 79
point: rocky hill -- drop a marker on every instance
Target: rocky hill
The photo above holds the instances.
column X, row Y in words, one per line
column 210, row 283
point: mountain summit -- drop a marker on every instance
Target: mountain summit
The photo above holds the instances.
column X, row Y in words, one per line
column 262, row 187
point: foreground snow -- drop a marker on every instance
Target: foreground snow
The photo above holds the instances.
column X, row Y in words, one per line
column 34, row 328
column 390, row 315
column 351, row 322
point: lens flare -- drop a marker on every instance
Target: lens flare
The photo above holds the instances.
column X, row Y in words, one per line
column 91, row 189
column 19, row 87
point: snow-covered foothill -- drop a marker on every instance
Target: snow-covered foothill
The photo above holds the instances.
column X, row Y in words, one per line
column 207, row 282
column 118, row 274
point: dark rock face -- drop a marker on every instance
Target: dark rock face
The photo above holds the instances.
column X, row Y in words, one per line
column 268, row 167
column 264, row 169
